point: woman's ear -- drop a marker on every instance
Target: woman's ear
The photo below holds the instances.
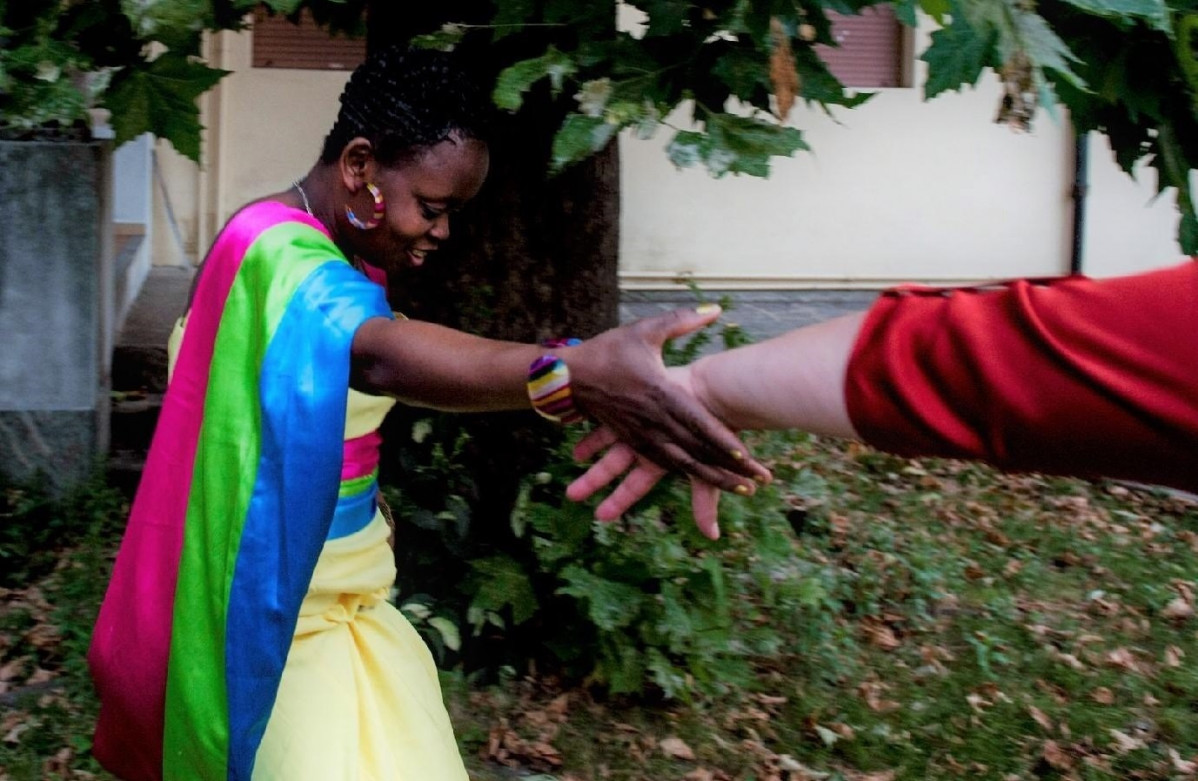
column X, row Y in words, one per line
column 357, row 164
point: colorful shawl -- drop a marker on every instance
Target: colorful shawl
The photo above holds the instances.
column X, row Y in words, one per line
column 234, row 505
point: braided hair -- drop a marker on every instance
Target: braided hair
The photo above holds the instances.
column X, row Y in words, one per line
column 404, row 100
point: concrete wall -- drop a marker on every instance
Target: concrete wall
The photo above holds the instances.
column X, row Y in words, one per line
column 900, row 189
column 56, row 307
column 132, row 213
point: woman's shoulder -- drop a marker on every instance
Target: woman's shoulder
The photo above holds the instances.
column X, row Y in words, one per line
column 256, row 216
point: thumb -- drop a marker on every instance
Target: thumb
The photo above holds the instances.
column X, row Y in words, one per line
column 680, row 322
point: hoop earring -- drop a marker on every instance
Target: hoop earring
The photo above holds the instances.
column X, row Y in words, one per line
column 376, row 218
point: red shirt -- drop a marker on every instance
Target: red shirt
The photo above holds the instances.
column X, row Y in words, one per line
column 1069, row 376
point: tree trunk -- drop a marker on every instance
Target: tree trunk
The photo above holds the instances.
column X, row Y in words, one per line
column 531, row 258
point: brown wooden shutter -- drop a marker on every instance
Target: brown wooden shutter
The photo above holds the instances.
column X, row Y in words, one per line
column 279, row 43
column 871, row 49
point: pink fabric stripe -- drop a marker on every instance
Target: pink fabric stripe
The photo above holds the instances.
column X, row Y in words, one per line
column 157, row 518
column 361, row 456
column 375, row 274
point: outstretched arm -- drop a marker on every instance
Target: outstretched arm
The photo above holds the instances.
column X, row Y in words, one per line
column 792, row 381
column 1070, row 376
column 618, row 379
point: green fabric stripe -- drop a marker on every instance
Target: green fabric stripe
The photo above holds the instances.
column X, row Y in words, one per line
column 357, row 485
column 225, row 471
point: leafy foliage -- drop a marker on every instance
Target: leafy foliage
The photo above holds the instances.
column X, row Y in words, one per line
column 1126, row 68
column 139, row 60
column 647, row 604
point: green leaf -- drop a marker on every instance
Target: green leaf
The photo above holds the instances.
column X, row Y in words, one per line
column 744, row 71
column 1187, row 27
column 956, row 57
column 610, row 605
column 1154, row 13
column 624, row 668
column 511, row 16
column 176, row 24
column 817, row 84
column 517, row 79
column 444, row 39
column 907, row 12
column 937, row 9
column 666, row 17
column 450, row 634
column 503, row 583
column 284, row 7
column 579, row 137
column 735, row 144
column 1043, row 47
column 1187, row 232
column 161, row 99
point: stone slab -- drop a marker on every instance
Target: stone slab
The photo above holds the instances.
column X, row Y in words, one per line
column 56, row 305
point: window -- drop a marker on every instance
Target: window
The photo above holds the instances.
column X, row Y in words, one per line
column 871, row 51
column 280, row 43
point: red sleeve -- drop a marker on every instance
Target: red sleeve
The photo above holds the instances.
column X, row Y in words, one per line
column 1070, row 376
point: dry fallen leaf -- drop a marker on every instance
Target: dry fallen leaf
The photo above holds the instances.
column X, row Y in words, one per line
column 1125, row 743
column 871, row 692
column 1123, row 659
column 1183, row 766
column 879, row 635
column 1040, row 718
column 1102, row 695
column 1056, row 757
column 676, row 748
column 1178, row 610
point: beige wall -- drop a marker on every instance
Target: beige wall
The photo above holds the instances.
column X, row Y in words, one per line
column 898, row 189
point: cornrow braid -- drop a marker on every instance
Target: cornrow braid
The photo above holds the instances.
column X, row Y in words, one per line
column 404, row 100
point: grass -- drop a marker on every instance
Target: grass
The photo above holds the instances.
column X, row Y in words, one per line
column 971, row 625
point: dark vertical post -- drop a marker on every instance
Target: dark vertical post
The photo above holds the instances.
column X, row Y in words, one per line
column 1081, row 187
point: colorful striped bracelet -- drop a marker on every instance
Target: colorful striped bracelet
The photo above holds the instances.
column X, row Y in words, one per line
column 549, row 386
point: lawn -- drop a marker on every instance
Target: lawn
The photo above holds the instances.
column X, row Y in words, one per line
column 926, row 619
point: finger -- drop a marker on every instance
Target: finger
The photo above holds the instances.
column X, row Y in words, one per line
column 615, row 462
column 594, row 442
column 705, row 437
column 705, row 501
column 630, row 490
column 679, row 322
column 705, row 448
column 678, row 457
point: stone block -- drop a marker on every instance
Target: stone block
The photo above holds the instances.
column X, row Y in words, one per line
column 56, row 307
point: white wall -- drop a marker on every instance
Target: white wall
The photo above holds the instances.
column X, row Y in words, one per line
column 899, row 189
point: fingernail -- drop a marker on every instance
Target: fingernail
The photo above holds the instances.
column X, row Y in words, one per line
column 760, row 478
column 707, row 309
column 743, row 489
column 737, row 455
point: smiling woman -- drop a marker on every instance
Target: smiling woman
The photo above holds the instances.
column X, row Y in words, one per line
column 246, row 632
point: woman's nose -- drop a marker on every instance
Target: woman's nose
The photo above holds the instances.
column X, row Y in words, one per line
column 440, row 229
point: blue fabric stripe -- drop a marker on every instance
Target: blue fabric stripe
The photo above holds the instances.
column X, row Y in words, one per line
column 353, row 513
column 303, row 384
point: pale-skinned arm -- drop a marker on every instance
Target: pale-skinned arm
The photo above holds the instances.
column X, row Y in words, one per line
column 791, row 381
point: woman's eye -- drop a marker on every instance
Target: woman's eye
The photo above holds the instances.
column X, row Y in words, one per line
column 430, row 213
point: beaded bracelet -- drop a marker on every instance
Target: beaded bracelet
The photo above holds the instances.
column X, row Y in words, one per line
column 549, row 386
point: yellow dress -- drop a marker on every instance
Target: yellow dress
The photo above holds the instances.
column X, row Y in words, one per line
column 359, row 698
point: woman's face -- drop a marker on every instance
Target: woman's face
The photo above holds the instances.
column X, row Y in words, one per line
column 421, row 194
